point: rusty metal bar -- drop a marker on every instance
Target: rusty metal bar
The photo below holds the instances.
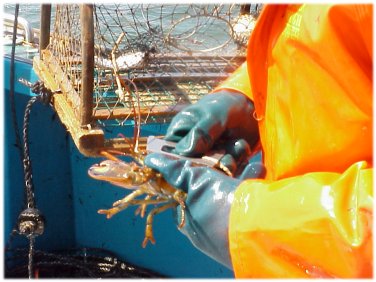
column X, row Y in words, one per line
column 45, row 23
column 87, row 48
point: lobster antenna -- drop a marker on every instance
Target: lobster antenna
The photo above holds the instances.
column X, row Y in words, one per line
column 122, row 85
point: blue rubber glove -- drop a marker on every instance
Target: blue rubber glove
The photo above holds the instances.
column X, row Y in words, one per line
column 224, row 115
column 209, row 198
column 254, row 169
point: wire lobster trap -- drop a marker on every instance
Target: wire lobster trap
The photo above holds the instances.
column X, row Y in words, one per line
column 131, row 64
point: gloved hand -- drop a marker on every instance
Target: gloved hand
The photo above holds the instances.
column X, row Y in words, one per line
column 254, row 169
column 226, row 115
column 209, row 198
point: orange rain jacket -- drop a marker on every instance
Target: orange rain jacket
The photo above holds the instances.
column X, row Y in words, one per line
column 310, row 78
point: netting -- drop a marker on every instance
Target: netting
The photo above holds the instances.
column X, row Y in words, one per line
column 149, row 60
column 73, row 263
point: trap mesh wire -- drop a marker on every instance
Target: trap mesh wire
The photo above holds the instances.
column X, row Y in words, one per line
column 154, row 58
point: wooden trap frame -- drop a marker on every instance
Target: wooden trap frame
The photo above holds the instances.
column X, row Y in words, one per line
column 116, row 63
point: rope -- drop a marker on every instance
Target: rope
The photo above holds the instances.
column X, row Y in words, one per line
column 30, row 265
column 44, row 96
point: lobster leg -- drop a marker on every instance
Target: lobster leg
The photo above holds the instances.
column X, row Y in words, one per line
column 142, row 208
column 128, row 198
column 149, row 222
column 134, row 202
column 122, row 204
column 180, row 196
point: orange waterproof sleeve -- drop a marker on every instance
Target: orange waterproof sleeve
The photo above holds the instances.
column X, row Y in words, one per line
column 315, row 225
column 310, row 68
column 238, row 81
